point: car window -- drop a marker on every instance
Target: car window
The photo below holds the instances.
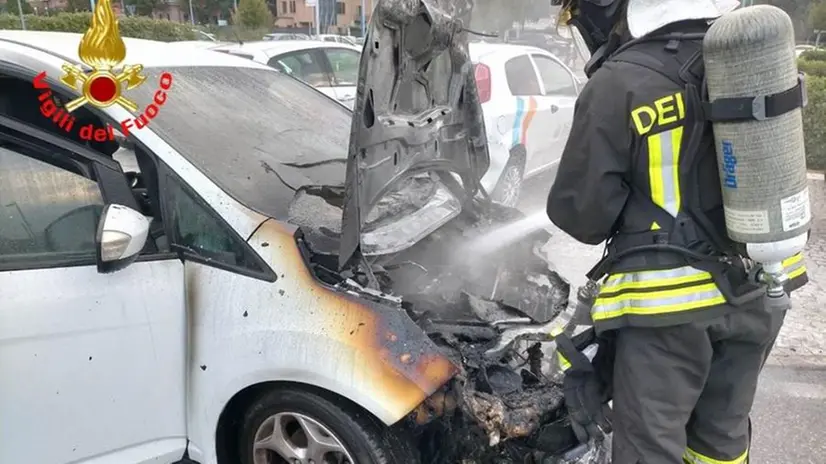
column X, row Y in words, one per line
column 556, row 79
column 302, row 65
column 48, row 213
column 201, row 233
column 521, row 76
column 345, row 65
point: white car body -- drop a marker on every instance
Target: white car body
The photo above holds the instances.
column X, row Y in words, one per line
column 204, row 36
column 316, row 59
column 530, row 108
column 202, row 44
column 137, row 366
column 342, row 39
column 799, row 49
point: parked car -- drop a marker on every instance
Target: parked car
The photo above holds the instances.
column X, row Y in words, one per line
column 799, row 49
column 204, row 36
column 332, row 68
column 260, row 286
column 286, row 36
column 528, row 98
column 202, row 44
column 342, row 39
column 560, row 47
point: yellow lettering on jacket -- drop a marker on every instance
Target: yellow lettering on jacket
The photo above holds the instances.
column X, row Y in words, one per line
column 660, row 112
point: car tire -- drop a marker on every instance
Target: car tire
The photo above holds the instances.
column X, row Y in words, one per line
column 280, row 418
column 509, row 186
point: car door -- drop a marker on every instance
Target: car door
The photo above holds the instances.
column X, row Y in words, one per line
column 307, row 65
column 559, row 93
column 344, row 69
column 92, row 366
column 529, row 122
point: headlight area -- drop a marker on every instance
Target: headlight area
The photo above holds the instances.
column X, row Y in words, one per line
column 487, row 311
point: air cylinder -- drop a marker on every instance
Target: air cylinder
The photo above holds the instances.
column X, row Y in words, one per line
column 750, row 53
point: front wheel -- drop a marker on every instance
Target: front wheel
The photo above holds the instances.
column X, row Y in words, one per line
column 509, row 187
column 294, row 426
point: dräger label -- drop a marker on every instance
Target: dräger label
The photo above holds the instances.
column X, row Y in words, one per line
column 747, row 222
column 729, row 166
column 796, row 210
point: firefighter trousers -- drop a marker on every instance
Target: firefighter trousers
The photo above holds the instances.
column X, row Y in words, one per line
column 683, row 394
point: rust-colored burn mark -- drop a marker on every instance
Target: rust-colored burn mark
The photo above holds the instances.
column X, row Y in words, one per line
column 400, row 364
column 435, row 406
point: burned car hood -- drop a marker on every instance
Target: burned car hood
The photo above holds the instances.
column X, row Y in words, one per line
column 417, row 144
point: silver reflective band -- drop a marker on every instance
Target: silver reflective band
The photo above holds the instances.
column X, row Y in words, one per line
column 662, row 302
column 649, row 279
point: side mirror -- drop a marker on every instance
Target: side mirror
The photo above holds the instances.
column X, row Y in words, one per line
column 120, row 237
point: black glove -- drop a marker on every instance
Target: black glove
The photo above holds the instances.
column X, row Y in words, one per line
column 583, row 399
column 584, row 390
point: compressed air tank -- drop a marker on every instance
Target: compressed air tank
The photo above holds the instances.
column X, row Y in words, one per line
column 750, row 53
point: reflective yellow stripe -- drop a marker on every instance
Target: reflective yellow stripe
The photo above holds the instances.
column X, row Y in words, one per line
column 664, row 169
column 564, row 364
column 657, row 302
column 794, row 266
column 692, row 457
column 793, row 260
column 797, row 272
column 649, row 279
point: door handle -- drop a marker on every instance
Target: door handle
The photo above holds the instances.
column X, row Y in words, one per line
column 554, row 108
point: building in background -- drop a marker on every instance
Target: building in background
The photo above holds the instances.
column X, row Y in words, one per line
column 336, row 16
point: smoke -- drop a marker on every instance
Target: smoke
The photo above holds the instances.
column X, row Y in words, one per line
column 507, row 234
column 503, row 15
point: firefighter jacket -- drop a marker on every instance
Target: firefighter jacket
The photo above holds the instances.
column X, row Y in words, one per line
column 640, row 168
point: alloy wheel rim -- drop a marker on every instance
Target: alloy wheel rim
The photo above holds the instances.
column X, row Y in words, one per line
column 510, row 186
column 294, row 438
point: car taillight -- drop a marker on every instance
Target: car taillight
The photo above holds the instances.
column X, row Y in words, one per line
column 482, row 74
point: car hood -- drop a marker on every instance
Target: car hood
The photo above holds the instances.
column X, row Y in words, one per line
column 416, row 114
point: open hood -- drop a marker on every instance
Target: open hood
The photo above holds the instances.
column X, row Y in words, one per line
column 417, row 145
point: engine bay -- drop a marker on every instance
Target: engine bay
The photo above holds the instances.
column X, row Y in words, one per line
column 490, row 312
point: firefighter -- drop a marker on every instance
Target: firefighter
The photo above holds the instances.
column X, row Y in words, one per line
column 690, row 330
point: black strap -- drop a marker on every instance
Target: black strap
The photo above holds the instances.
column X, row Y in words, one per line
column 691, row 69
column 579, row 362
column 757, row 108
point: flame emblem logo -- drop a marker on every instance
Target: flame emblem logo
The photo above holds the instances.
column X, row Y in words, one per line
column 102, row 49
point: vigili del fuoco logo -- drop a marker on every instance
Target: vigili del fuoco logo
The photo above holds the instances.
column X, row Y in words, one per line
column 101, row 49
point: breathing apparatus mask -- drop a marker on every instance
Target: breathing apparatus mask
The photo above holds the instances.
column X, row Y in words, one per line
column 591, row 23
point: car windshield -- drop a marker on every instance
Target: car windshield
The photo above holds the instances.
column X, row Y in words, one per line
column 257, row 133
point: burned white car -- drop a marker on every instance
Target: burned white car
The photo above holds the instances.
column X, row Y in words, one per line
column 259, row 275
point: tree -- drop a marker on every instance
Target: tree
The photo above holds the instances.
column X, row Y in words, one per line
column 74, row 6
column 205, row 9
column 144, row 7
column 14, row 8
column 817, row 16
column 253, row 14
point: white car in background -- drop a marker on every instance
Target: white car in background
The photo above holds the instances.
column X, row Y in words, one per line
column 527, row 97
column 332, row 68
column 799, row 49
column 342, row 39
column 286, row 36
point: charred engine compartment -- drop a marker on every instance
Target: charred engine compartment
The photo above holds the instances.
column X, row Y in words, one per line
column 506, row 403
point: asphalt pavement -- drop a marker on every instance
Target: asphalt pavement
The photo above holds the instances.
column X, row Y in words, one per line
column 789, row 415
